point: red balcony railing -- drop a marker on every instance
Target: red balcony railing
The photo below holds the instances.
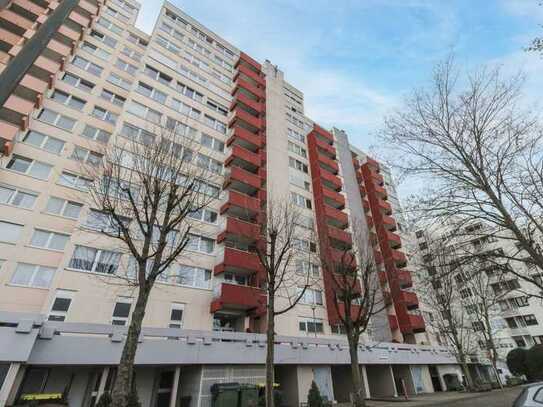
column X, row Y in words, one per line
column 247, row 60
column 393, row 239
column 249, row 87
column 326, row 148
column 323, row 134
column 238, row 261
column 409, row 298
column 331, row 181
column 412, row 323
column 340, row 235
column 240, row 176
column 240, row 153
column 246, row 117
column 377, row 179
column 339, row 218
column 238, row 297
column 342, row 257
column 245, row 138
column 380, row 191
column 385, row 207
column 393, row 322
column 241, row 203
column 372, row 163
column 404, row 278
column 236, row 227
column 245, row 70
column 335, row 199
column 399, row 258
column 328, row 164
column 389, row 223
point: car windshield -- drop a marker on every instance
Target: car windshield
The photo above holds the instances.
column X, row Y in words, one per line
column 519, row 402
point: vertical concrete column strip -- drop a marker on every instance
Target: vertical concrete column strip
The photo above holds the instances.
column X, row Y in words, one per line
column 393, row 380
column 102, row 385
column 175, row 386
column 365, row 381
column 9, row 387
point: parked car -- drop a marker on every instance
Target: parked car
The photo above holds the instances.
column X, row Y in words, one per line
column 530, row 396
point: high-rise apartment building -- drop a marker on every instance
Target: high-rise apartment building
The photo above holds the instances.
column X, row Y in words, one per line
column 90, row 77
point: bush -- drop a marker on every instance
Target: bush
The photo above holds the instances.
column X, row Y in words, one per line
column 534, row 362
column 516, row 361
column 314, row 398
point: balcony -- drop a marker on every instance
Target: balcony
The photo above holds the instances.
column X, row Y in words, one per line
column 387, row 298
column 380, row 191
column 16, row 19
column 239, row 230
column 389, row 223
column 259, row 93
column 340, row 236
column 377, row 256
column 250, row 73
column 331, row 181
column 409, row 299
column 244, row 138
column 373, row 239
column 243, row 158
column 365, row 205
column 322, row 134
column 377, row 179
column 372, row 164
column 242, row 181
column 393, row 322
column 399, row 258
column 404, row 278
column 342, row 257
column 362, row 189
column 8, row 134
column 369, row 221
column 240, row 205
column 243, row 99
column 326, row 149
column 413, row 323
column 238, row 261
column 385, row 207
column 237, row 297
column 336, row 217
column 328, row 164
column 246, row 117
column 382, row 278
column 394, row 240
column 245, row 59
column 334, row 199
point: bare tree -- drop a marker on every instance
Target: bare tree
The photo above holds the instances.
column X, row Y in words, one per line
column 358, row 298
column 537, row 43
column 478, row 154
column 449, row 317
column 278, row 252
column 144, row 193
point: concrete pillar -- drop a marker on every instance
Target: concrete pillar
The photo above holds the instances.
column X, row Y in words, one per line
column 413, row 380
column 393, row 380
column 102, row 385
column 11, row 384
column 365, row 381
column 175, row 386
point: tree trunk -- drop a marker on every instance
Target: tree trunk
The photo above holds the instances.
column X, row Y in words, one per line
column 124, row 383
column 270, row 341
column 467, row 373
column 494, row 355
column 358, row 392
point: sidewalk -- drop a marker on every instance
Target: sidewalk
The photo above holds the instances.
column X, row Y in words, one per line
column 436, row 399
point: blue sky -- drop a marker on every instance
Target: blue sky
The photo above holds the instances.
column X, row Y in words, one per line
column 355, row 60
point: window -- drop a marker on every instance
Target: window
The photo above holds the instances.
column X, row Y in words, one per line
column 209, row 163
column 298, row 165
column 180, row 128
column 104, row 22
column 115, row 13
column 157, row 75
column 477, row 326
column 299, row 180
column 61, row 305
column 311, row 325
column 96, row 51
column 63, row 207
column 300, row 200
column 134, row 39
column 200, row 244
column 151, row 92
column 305, row 222
column 176, row 315
column 16, row 197
column 105, row 115
column 112, row 97
column 77, row 82
column 144, row 112
column 465, row 293
column 205, row 215
column 296, row 149
column 521, row 301
column 137, row 134
column 217, row 107
column 133, row 54
column 49, row 240
column 93, row 133
column 106, row 39
column 10, row 232
column 32, row 275
column 68, row 100
column 56, row 119
column 100, row 221
column 305, row 267
column 125, row 66
column 304, row 245
column 47, row 143
column 295, row 135
column 86, row 156
column 88, row 66
column 212, row 143
column 519, row 340
column 189, row 276
column 74, row 181
column 311, row 296
column 166, row 43
column 118, row 81
column 214, row 123
column 530, row 319
column 30, row 167
column 189, row 92
column 185, row 109
column 171, row 31
column 423, row 246
column 121, row 311
column 95, row 260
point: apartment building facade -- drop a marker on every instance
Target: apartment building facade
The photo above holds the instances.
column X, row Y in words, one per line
column 93, row 78
column 516, row 315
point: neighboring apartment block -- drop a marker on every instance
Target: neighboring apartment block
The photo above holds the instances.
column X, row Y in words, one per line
column 93, row 77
